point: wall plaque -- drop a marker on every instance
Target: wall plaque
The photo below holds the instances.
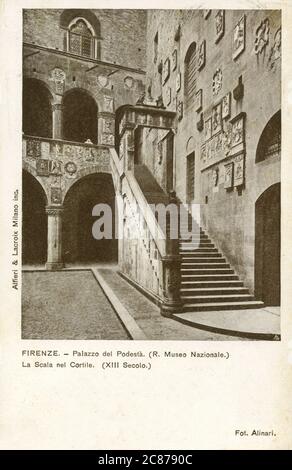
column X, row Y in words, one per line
column 216, row 119
column 239, row 170
column 202, row 55
column 228, row 177
column 174, row 60
column 199, row 100
column 239, row 38
column 226, row 106
column 42, row 167
column 219, row 25
column 166, row 70
column 208, row 129
column 262, row 36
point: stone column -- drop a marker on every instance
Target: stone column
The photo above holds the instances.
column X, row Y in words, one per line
column 171, row 266
column 171, row 285
column 57, row 120
column 54, row 259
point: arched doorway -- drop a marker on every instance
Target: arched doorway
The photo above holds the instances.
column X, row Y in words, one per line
column 37, row 109
column 270, row 141
column 34, row 221
column 79, row 245
column 267, row 246
column 79, row 117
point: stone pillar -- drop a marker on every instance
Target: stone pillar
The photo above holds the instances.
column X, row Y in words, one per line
column 57, row 120
column 54, row 259
column 171, row 267
column 171, row 285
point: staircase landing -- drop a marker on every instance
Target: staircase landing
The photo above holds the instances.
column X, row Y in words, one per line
column 263, row 323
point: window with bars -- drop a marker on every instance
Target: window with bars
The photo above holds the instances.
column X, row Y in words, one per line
column 191, row 177
column 155, row 47
column 81, row 39
column 190, row 76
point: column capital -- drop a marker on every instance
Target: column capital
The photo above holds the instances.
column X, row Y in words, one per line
column 57, row 107
column 54, row 210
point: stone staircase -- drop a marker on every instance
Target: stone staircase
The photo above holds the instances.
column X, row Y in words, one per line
column 208, row 282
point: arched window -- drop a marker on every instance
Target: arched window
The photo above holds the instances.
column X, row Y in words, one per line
column 81, row 38
column 79, row 116
column 37, row 109
column 82, row 32
column 190, row 76
column 270, row 141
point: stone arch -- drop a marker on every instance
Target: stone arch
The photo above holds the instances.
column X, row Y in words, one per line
column 81, row 173
column 37, row 108
column 267, row 245
column 67, row 16
column 34, row 220
column 190, row 146
column 79, row 244
column 42, row 83
column 82, row 37
column 32, row 171
column 270, row 140
column 80, row 115
column 190, row 74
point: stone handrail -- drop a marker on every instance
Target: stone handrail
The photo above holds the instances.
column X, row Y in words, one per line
column 147, row 213
column 165, row 266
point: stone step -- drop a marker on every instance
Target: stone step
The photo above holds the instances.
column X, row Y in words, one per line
column 193, row 230
column 200, row 291
column 198, row 250
column 209, row 278
column 203, row 306
column 197, row 260
column 195, row 245
column 185, row 271
column 195, row 236
column 209, row 284
column 217, row 298
column 195, row 254
column 190, row 227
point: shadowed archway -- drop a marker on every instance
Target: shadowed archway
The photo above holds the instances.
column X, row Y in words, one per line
column 37, row 109
column 267, row 246
column 34, row 221
column 79, row 245
column 79, row 117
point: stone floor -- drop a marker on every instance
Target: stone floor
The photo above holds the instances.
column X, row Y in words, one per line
column 147, row 315
column 67, row 305
column 71, row 305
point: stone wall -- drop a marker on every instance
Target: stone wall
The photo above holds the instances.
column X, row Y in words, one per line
column 123, row 34
column 247, row 44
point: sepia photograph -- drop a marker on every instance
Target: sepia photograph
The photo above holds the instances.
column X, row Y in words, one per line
column 151, row 174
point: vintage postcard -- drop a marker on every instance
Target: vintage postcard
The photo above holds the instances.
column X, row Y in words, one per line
column 146, row 194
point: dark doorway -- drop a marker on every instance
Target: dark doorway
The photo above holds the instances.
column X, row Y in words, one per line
column 34, row 221
column 79, row 117
column 267, row 246
column 37, row 110
column 79, row 244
